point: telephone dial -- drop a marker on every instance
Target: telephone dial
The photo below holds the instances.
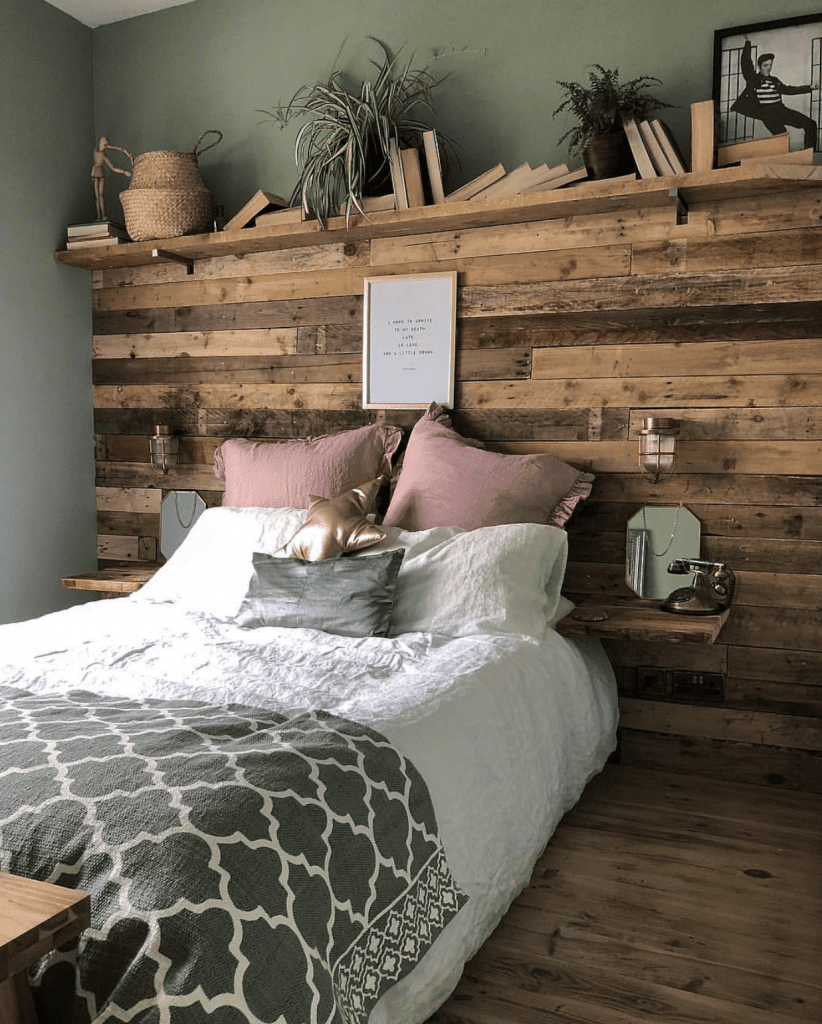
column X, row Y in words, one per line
column 711, row 591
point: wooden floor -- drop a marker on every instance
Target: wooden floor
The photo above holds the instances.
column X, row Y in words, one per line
column 662, row 898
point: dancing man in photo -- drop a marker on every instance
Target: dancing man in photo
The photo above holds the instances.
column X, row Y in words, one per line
column 762, row 98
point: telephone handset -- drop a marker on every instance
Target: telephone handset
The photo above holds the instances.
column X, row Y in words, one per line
column 711, row 591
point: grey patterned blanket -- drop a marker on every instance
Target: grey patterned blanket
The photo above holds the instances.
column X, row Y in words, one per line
column 243, row 867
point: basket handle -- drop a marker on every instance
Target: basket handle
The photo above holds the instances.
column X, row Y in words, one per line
column 211, row 131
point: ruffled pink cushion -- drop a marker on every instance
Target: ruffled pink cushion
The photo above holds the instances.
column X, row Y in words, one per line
column 284, row 474
column 450, row 480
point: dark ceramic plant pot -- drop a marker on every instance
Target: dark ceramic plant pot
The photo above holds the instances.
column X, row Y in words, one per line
column 608, row 156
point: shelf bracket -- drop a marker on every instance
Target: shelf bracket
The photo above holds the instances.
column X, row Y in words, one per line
column 164, row 254
column 679, row 204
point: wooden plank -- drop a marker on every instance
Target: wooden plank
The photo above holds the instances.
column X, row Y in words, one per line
column 261, row 342
column 474, row 364
column 537, row 424
column 532, row 236
column 588, row 197
column 718, row 760
column 275, row 369
column 719, row 724
column 747, row 521
column 782, row 698
column 759, row 390
column 128, row 523
column 746, row 251
column 713, row 488
column 253, row 396
column 626, row 619
column 231, row 316
column 121, row 548
column 734, row 216
column 711, row 358
column 758, row 815
column 731, row 288
column 192, row 421
column 574, row 947
column 115, row 581
column 133, row 474
column 790, row 590
column 639, row 327
column 599, row 261
column 129, row 499
column 709, row 867
column 310, row 258
column 695, row 657
column 745, row 457
column 775, row 664
column 726, row 423
column 764, row 554
column 790, row 628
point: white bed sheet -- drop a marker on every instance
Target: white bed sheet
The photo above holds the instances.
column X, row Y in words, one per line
column 506, row 730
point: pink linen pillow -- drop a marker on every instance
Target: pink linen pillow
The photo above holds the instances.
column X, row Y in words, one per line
column 284, row 474
column 450, row 480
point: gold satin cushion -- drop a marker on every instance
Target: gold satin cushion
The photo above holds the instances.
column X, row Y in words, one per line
column 336, row 525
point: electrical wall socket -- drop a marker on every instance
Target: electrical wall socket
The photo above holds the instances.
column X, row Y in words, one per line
column 698, row 685
column 677, row 684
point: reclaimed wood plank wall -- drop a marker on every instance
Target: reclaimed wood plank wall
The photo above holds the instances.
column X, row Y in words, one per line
column 569, row 332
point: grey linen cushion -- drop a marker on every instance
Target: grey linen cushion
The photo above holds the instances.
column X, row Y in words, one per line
column 342, row 595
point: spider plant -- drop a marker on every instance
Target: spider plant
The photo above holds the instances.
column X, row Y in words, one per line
column 600, row 106
column 342, row 153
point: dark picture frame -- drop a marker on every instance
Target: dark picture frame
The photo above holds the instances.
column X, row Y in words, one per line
column 795, row 46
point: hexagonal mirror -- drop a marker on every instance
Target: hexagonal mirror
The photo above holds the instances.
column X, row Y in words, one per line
column 180, row 510
column 657, row 534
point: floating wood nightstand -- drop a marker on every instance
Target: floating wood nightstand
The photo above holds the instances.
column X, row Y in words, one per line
column 35, row 918
column 630, row 618
column 114, row 582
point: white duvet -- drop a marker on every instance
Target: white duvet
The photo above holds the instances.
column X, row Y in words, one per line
column 505, row 728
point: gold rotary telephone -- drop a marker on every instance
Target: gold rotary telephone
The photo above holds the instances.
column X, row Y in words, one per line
column 711, row 591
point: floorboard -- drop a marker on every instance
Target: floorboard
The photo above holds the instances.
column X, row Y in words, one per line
column 663, row 899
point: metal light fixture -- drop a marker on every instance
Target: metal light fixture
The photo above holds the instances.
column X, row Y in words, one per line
column 657, row 447
column 165, row 449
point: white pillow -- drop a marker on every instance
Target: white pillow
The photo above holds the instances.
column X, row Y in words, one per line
column 496, row 579
column 212, row 568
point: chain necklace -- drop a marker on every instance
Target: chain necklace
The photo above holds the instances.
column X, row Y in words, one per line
column 187, row 525
column 661, row 554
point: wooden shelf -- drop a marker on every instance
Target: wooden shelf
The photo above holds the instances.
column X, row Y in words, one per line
column 629, row 618
column 113, row 582
column 589, row 197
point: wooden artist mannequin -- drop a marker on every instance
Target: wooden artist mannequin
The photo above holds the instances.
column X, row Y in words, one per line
column 98, row 173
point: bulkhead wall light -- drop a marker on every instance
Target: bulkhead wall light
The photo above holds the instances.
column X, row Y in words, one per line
column 657, row 447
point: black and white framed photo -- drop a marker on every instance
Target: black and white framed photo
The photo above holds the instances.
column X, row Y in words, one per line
column 409, row 341
column 768, row 80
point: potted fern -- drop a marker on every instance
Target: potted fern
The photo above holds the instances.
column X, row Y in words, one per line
column 342, row 152
column 599, row 108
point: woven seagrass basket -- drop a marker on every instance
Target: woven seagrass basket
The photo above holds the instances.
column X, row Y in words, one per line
column 167, row 196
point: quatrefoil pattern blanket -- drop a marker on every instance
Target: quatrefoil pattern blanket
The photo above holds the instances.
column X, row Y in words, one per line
column 243, row 866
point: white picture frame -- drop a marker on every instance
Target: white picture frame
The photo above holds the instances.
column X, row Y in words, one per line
column 409, row 341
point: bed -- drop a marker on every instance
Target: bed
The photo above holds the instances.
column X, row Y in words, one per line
column 305, row 770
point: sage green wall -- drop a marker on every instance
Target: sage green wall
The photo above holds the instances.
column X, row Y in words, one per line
column 158, row 81
column 162, row 79
column 47, row 513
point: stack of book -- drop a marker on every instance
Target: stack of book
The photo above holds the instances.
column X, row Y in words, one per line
column 96, row 232
column 654, row 148
column 418, row 181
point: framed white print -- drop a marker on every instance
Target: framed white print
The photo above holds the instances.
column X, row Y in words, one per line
column 409, row 341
